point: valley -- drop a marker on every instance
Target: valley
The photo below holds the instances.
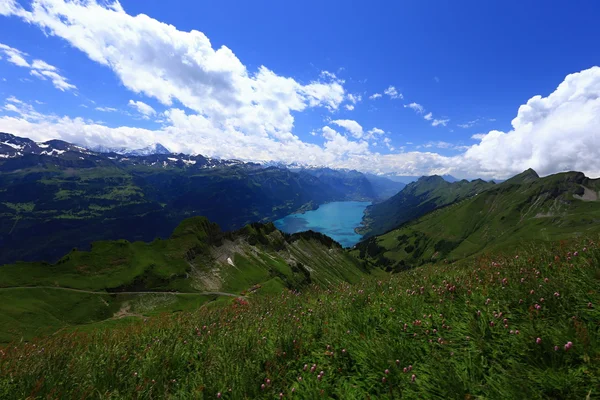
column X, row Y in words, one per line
column 456, row 286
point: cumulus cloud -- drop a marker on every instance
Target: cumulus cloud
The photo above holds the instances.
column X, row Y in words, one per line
column 231, row 112
column 351, row 126
column 559, row 132
column 393, row 93
column 160, row 61
column 349, row 107
column 143, row 108
column 38, row 68
column 375, row 96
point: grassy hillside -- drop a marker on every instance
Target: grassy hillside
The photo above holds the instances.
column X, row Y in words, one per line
column 523, row 209
column 415, row 200
column 198, row 259
column 513, row 326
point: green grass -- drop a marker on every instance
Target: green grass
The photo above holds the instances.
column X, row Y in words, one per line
column 453, row 327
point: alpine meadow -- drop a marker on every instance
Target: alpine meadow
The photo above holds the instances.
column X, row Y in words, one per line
column 314, row 200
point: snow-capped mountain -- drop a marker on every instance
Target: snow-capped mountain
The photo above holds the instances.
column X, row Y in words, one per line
column 155, row 148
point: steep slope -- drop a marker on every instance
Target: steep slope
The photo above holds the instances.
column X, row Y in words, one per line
column 197, row 259
column 416, row 199
column 522, row 209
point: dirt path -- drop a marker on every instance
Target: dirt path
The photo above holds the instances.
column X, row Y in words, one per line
column 109, row 293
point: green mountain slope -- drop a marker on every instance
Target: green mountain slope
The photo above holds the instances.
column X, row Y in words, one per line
column 198, row 259
column 522, row 209
column 415, row 200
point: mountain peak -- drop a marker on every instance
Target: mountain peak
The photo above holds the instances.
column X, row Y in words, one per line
column 528, row 175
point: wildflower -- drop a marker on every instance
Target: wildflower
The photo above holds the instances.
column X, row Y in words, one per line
column 305, row 367
column 387, row 371
column 262, row 387
column 281, row 395
column 511, row 332
column 555, row 348
column 219, row 395
column 413, row 377
column 492, row 323
column 568, row 346
column 538, row 341
column 397, row 362
column 404, row 369
column 590, row 305
column 517, row 332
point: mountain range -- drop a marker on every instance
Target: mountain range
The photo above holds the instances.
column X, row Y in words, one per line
column 55, row 195
column 473, row 217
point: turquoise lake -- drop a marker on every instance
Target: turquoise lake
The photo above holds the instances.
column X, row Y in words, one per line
column 336, row 220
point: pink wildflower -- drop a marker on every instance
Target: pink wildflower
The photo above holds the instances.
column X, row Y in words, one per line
column 538, row 341
column 568, row 346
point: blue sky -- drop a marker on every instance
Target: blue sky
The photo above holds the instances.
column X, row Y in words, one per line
column 294, row 82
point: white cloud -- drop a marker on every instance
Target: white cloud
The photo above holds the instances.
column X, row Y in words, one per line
column 373, row 133
column 393, row 93
column 40, row 69
column 103, row 109
column 375, row 96
column 478, row 136
column 468, row 124
column 160, row 61
column 349, row 107
column 444, row 145
column 143, row 108
column 235, row 113
column 354, row 98
column 388, row 142
column 419, row 109
column 442, row 122
column 15, row 56
column 351, row 126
